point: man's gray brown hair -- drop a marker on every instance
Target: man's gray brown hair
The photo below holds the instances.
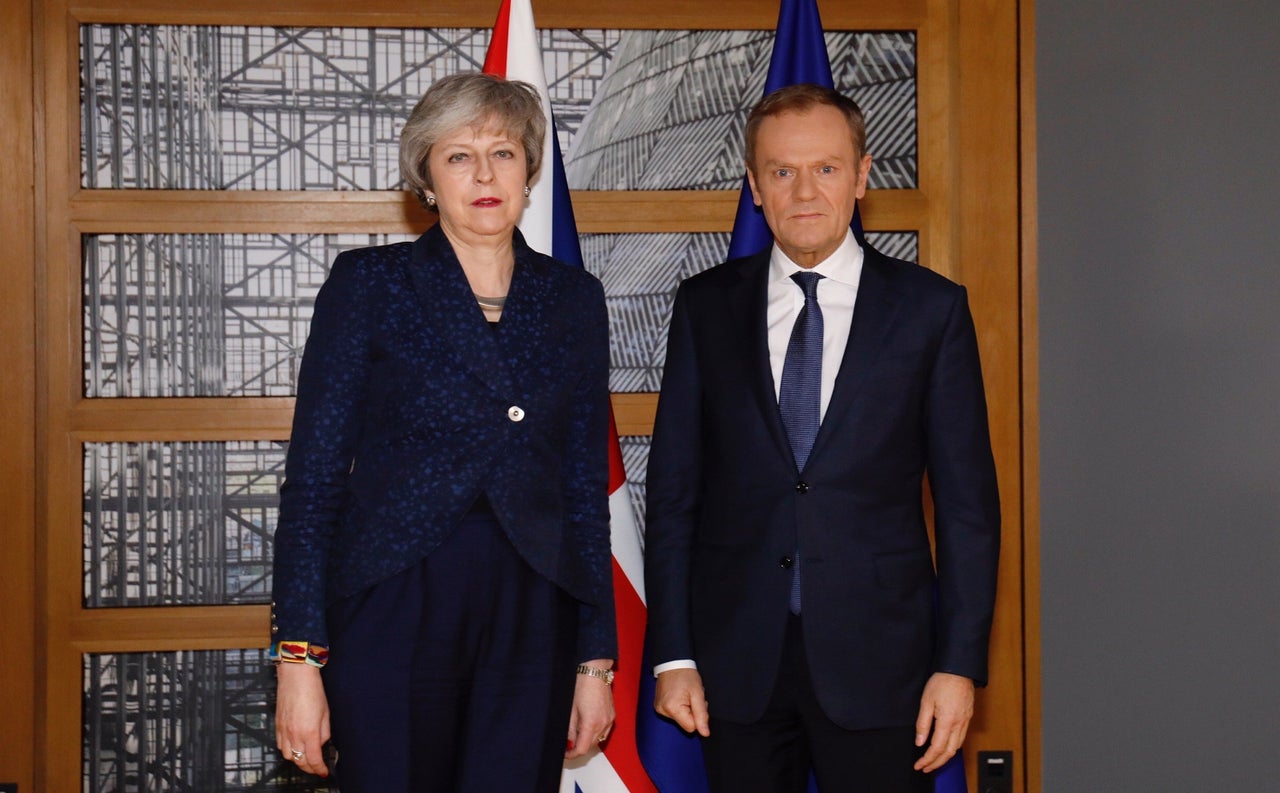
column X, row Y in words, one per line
column 800, row 98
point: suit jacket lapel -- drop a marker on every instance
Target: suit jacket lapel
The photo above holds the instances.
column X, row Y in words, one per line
column 874, row 314
column 749, row 308
column 522, row 331
column 452, row 312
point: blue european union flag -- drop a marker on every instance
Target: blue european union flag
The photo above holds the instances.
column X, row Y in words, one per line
column 799, row 56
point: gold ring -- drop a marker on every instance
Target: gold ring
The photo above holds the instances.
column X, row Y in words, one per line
column 298, row 754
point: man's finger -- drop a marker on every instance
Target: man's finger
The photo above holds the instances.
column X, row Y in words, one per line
column 701, row 717
column 679, row 696
column 924, row 721
column 939, row 751
column 683, row 715
column 676, row 707
column 929, row 760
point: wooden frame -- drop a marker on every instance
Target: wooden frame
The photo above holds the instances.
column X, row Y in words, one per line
column 18, row 418
column 967, row 211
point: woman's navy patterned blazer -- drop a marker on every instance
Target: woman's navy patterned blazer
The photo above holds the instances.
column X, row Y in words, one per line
column 410, row 406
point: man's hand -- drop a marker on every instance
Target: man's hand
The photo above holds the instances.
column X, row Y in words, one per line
column 947, row 707
column 679, row 697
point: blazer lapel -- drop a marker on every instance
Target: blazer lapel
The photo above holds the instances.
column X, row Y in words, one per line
column 522, row 331
column 452, row 312
column 749, row 308
column 874, row 314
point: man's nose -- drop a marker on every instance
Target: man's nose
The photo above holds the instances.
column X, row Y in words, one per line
column 805, row 185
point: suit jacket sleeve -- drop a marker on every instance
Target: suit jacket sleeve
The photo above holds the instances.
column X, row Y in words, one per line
column 587, row 481
column 674, row 482
column 326, row 422
column 962, row 480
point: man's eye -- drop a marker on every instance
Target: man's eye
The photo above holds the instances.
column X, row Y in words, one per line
column 828, row 169
column 784, row 172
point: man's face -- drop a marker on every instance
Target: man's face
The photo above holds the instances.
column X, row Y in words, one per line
column 807, row 178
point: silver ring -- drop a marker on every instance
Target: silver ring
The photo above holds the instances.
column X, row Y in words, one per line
column 298, row 754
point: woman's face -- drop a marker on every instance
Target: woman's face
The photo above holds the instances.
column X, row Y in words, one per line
column 479, row 178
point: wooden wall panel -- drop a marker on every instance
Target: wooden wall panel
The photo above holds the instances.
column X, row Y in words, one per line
column 966, row 211
column 18, row 639
column 596, row 211
column 986, row 216
column 649, row 15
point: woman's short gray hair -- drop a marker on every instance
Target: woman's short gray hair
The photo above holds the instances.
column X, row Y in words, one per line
column 475, row 100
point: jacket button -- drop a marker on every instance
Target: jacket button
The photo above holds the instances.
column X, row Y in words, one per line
column 515, row 413
column 275, row 628
column 786, row 562
column 802, row 487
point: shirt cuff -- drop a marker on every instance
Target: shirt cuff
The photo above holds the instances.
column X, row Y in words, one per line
column 682, row 663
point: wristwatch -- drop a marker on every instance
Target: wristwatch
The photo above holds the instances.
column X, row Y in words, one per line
column 593, row 671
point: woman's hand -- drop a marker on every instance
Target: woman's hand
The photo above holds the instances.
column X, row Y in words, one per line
column 302, row 716
column 592, row 715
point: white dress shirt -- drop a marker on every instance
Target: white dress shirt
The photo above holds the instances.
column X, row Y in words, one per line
column 837, row 294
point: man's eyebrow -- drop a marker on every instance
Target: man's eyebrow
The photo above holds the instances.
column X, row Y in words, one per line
column 830, row 158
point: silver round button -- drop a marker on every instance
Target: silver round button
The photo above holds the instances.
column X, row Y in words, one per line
column 515, row 413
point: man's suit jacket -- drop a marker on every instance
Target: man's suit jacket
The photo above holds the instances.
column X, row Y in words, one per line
column 727, row 507
column 410, row 407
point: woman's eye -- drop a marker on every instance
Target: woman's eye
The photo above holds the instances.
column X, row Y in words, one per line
column 459, row 157
column 504, row 154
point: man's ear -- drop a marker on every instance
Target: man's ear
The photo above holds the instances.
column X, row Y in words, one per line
column 751, row 180
column 864, row 170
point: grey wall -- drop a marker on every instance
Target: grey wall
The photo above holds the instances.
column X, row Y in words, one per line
column 1159, row 125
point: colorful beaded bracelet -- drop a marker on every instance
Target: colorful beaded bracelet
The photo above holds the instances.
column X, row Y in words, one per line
column 299, row 653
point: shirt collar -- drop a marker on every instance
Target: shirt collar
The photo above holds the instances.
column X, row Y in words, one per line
column 843, row 266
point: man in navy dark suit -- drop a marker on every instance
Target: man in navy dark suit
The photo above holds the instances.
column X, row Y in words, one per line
column 791, row 583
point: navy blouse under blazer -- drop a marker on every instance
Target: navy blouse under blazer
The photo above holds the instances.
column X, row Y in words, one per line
column 410, row 406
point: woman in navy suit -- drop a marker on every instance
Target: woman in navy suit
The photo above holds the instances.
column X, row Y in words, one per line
column 443, row 592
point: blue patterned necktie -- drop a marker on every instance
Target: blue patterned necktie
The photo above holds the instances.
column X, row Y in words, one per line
column 800, row 393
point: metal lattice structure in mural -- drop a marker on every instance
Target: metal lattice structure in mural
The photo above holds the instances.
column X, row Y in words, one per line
column 173, row 315
column 671, row 112
column 170, row 524
column 202, row 314
column 258, row 108
column 227, row 108
column 184, row 721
